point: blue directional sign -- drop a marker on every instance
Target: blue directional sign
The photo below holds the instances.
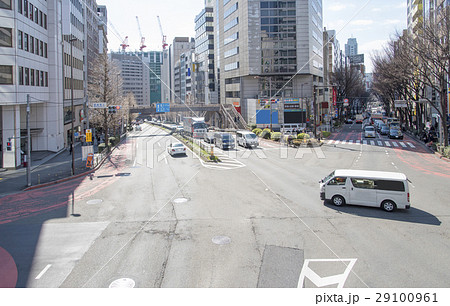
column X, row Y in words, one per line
column 162, row 107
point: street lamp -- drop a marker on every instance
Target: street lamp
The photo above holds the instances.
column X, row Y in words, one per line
column 71, row 40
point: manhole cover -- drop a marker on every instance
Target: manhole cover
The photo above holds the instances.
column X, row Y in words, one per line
column 221, row 240
column 123, row 283
column 94, row 201
column 180, row 200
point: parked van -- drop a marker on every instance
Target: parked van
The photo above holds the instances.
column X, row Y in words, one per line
column 246, row 139
column 388, row 190
column 289, row 128
column 224, row 140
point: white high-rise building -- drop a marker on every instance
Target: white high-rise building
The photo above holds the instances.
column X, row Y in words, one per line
column 35, row 65
column 351, row 47
column 267, row 49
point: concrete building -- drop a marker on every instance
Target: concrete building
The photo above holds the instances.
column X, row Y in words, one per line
column 31, row 53
column 332, row 58
column 102, row 13
column 268, row 49
column 184, row 86
column 351, row 47
column 206, row 88
column 179, row 46
column 141, row 74
column 36, row 61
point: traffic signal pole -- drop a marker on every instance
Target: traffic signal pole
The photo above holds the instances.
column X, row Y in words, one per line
column 28, row 143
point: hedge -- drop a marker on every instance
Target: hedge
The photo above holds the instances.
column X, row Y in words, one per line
column 303, row 136
column 275, row 136
column 326, row 134
column 101, row 147
column 257, row 131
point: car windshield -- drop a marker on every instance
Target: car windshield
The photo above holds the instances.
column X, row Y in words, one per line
column 328, row 177
column 226, row 137
column 178, row 145
column 250, row 136
column 370, row 129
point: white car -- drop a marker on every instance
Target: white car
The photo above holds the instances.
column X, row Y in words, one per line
column 138, row 128
column 369, row 131
column 176, row 148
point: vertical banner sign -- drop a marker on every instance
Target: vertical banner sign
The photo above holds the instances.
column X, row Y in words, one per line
column 448, row 102
column 334, row 96
column 88, row 135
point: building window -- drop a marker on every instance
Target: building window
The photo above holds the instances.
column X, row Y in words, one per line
column 25, row 8
column 232, row 66
column 5, row 4
column 20, row 75
column 25, row 42
column 32, row 77
column 31, row 44
column 19, row 6
column 5, row 37
column 27, row 76
column 36, row 15
column 31, row 11
column 6, row 75
column 20, row 39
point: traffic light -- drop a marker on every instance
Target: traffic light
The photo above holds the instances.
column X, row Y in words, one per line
column 118, row 107
column 111, row 109
column 8, row 146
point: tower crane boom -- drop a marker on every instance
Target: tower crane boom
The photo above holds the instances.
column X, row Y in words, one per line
column 164, row 44
column 142, row 45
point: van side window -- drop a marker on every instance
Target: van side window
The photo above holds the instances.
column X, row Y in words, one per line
column 363, row 183
column 337, row 181
column 390, row 185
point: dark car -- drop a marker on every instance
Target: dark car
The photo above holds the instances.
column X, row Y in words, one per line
column 349, row 121
column 395, row 133
column 384, row 129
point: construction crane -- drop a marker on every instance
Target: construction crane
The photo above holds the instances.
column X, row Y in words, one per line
column 164, row 44
column 124, row 44
column 142, row 46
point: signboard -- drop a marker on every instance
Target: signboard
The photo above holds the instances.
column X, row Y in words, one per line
column 98, row 105
column 345, row 102
column 162, row 107
column 89, row 160
column 88, row 135
column 400, row 103
column 85, row 151
column 448, row 103
column 356, row 59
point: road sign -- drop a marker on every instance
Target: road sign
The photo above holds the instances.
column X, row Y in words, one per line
column 98, row 105
column 400, row 103
column 89, row 160
column 162, row 107
column 345, row 102
column 88, row 135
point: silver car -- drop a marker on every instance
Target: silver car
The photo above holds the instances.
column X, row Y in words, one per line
column 176, row 148
column 369, row 131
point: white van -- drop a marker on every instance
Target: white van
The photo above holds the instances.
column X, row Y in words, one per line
column 247, row 139
column 388, row 190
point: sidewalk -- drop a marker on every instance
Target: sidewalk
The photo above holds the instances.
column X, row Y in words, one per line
column 45, row 167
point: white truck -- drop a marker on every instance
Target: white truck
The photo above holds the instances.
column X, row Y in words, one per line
column 194, row 126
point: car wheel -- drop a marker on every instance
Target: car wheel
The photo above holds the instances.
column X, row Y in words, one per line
column 338, row 200
column 388, row 205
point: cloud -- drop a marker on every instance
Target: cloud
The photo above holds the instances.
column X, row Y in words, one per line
column 373, row 45
column 337, row 7
column 376, row 9
column 391, row 21
column 362, row 22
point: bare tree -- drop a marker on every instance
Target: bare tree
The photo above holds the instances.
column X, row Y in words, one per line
column 349, row 83
column 104, row 87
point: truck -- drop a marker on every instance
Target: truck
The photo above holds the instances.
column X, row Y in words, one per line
column 194, row 126
column 359, row 118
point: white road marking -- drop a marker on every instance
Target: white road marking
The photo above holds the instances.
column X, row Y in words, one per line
column 319, row 281
column 395, row 144
column 159, row 144
column 411, row 145
column 380, row 143
column 402, row 144
column 350, row 141
column 372, row 143
column 43, row 272
column 364, row 142
column 388, row 144
column 358, row 142
column 336, row 142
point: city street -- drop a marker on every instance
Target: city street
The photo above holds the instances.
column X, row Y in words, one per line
column 147, row 219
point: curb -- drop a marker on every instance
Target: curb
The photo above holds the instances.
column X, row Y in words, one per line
column 89, row 172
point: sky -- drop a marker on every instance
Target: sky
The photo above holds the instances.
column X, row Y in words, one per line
column 371, row 22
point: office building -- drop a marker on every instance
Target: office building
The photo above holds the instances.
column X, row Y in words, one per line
column 351, row 47
column 268, row 49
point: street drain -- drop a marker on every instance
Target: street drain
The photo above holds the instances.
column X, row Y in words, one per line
column 94, row 201
column 180, row 200
column 221, row 240
column 123, row 283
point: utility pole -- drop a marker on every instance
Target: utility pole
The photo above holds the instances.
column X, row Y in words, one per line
column 72, row 39
column 28, row 143
column 314, row 110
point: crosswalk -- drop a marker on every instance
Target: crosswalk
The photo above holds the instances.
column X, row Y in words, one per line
column 379, row 143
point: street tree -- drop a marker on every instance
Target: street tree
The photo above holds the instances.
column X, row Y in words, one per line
column 104, row 87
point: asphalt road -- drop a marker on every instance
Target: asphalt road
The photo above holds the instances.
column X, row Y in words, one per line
column 148, row 219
